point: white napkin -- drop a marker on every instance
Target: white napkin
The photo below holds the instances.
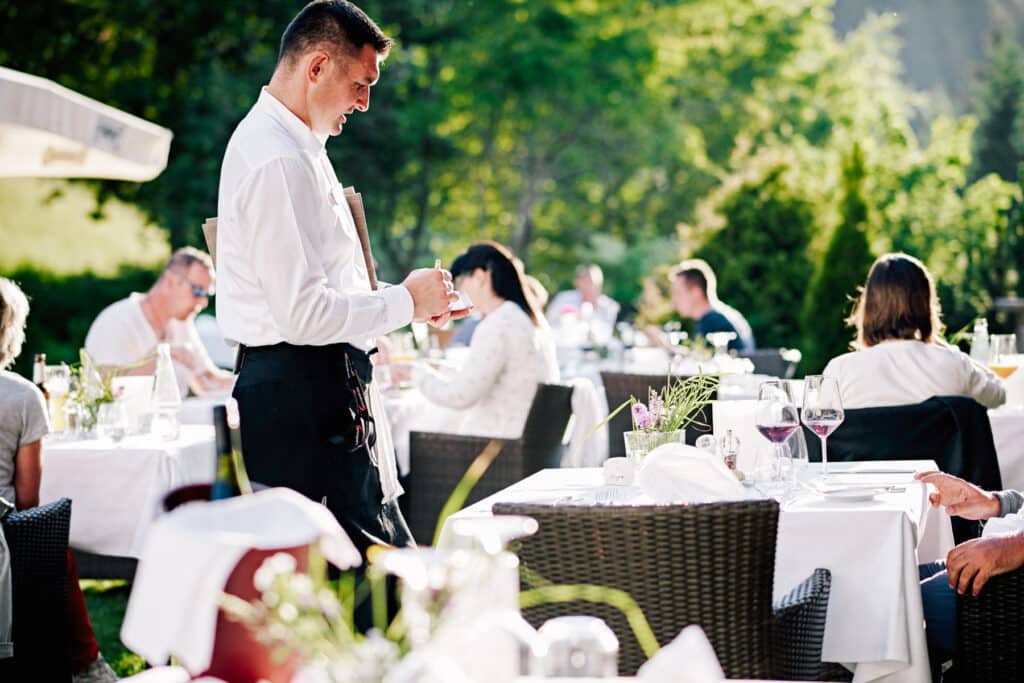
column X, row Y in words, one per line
column 687, row 659
column 165, row 674
column 383, row 452
column 676, row 473
column 190, row 553
column 1004, row 525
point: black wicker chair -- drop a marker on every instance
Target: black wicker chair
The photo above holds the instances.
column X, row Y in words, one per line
column 798, row 630
column 710, row 565
column 951, row 430
column 990, row 631
column 775, row 362
column 438, row 461
column 38, row 541
column 619, row 386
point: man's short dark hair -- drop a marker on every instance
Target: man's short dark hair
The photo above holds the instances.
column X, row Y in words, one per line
column 697, row 273
column 332, row 24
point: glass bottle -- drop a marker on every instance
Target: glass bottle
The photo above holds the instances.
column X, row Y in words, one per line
column 39, row 374
column 979, row 341
column 231, row 479
column 166, row 399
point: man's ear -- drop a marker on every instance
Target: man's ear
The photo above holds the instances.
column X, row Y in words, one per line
column 316, row 66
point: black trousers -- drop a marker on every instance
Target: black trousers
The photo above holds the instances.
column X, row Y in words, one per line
column 298, row 430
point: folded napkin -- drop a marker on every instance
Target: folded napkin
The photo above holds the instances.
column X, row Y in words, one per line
column 676, row 473
column 687, row 659
column 190, row 553
column 586, row 449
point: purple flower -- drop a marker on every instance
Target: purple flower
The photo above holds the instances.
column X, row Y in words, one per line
column 642, row 418
column 656, row 408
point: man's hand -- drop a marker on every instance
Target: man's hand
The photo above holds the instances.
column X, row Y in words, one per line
column 972, row 564
column 960, row 497
column 431, row 290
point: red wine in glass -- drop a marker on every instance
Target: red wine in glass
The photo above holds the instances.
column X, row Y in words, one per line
column 776, row 433
column 825, row 423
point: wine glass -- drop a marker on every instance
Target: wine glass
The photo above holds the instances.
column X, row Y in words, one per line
column 110, row 421
column 823, row 411
column 1002, row 348
column 776, row 418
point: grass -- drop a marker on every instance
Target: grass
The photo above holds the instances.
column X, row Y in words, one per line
column 107, row 601
column 47, row 224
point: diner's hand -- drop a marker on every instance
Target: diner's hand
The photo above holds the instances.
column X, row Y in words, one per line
column 971, row 564
column 432, row 292
column 960, row 497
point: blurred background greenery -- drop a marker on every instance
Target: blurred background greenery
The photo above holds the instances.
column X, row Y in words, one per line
column 786, row 141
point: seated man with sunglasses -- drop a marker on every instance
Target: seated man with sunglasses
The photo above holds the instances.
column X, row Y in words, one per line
column 125, row 334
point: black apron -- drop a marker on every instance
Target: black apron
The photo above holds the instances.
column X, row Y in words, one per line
column 305, row 425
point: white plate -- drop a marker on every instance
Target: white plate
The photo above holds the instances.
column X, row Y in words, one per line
column 851, row 495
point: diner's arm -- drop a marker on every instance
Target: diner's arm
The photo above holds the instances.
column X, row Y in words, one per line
column 28, row 472
column 1009, row 501
column 983, row 385
column 486, row 360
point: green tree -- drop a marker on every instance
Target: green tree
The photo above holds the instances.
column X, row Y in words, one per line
column 759, row 255
column 843, row 266
column 999, row 107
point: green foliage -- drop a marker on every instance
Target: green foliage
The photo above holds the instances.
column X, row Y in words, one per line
column 843, row 266
column 107, row 602
column 760, row 255
column 62, row 307
column 999, row 106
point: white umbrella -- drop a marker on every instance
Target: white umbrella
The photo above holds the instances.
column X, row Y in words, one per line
column 49, row 131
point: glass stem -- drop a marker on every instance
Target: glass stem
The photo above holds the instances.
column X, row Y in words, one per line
column 824, row 457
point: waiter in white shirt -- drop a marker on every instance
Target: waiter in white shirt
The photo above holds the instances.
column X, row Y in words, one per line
column 294, row 289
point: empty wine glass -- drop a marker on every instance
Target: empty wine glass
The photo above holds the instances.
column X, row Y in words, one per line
column 823, row 411
column 110, row 421
column 776, row 418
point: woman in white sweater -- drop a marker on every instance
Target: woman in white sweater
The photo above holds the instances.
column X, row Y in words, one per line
column 511, row 351
column 899, row 357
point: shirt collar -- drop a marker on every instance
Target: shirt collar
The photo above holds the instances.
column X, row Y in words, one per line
column 306, row 139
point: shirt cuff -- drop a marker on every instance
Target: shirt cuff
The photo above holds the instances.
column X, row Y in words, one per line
column 398, row 306
column 1010, row 501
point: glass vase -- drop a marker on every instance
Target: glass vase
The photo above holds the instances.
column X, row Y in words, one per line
column 640, row 443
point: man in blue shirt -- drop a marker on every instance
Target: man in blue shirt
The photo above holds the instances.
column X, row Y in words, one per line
column 694, row 296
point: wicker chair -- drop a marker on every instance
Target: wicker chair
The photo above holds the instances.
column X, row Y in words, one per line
column 438, row 461
column 798, row 631
column 38, row 541
column 990, row 631
column 775, row 362
column 710, row 565
column 619, row 386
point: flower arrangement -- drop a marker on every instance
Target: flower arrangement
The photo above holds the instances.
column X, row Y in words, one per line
column 675, row 407
column 90, row 389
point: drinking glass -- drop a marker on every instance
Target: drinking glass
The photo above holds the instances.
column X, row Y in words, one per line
column 776, row 418
column 823, row 411
column 1002, row 349
column 110, row 421
column 720, row 340
column 58, row 385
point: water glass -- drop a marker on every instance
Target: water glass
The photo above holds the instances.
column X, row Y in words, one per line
column 110, row 421
column 1002, row 354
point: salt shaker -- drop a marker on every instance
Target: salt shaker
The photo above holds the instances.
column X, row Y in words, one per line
column 729, row 449
column 580, row 647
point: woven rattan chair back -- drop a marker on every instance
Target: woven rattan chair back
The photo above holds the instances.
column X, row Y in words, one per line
column 619, row 386
column 545, row 427
column 990, row 631
column 710, row 565
column 38, row 542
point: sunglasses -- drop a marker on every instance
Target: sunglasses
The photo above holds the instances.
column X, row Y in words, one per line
column 197, row 291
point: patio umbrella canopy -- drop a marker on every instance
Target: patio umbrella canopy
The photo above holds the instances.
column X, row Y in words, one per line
column 48, row 131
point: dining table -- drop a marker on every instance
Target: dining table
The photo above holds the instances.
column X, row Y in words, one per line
column 117, row 488
column 872, row 547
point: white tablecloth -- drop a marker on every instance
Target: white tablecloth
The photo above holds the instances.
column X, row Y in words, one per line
column 1008, row 433
column 116, row 489
column 875, row 620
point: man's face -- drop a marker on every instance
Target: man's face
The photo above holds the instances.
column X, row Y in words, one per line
column 190, row 290
column 585, row 286
column 684, row 296
column 342, row 86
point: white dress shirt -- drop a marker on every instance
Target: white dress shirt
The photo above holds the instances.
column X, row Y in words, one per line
column 289, row 262
column 493, row 390
column 904, row 372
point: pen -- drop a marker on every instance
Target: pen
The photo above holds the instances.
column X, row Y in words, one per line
column 437, row 264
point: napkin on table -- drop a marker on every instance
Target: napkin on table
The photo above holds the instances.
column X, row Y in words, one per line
column 676, row 473
column 687, row 659
column 190, row 553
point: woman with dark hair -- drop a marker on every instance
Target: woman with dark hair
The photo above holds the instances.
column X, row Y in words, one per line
column 900, row 357
column 511, row 351
column 23, row 424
